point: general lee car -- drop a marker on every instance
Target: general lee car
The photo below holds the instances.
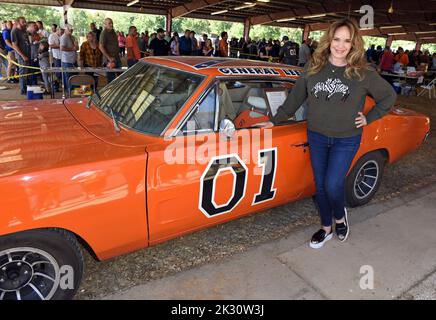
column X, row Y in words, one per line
column 149, row 157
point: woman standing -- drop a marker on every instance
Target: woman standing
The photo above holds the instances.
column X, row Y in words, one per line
column 122, row 43
column 90, row 54
column 174, row 45
column 208, row 48
column 335, row 85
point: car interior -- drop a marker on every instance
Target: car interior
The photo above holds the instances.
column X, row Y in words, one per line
column 243, row 102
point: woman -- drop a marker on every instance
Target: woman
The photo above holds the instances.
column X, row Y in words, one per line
column 174, row 45
column 335, row 85
column 122, row 43
column 90, row 54
column 208, row 48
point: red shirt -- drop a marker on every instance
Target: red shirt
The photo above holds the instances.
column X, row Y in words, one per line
column 132, row 43
column 387, row 60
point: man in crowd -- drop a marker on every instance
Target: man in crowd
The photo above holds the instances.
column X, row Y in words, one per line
column 402, row 57
column 289, row 51
column 54, row 45
column 194, row 44
column 132, row 46
column 224, row 45
column 21, row 46
column 304, row 52
column 159, row 46
column 109, row 48
column 34, row 40
column 68, row 47
column 6, row 36
column 43, row 34
column 185, row 45
column 3, row 51
column 95, row 31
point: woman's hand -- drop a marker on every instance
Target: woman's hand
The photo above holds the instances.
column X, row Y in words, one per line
column 264, row 125
column 360, row 120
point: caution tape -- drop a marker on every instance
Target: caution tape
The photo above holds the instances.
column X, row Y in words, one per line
column 19, row 76
column 270, row 58
column 17, row 64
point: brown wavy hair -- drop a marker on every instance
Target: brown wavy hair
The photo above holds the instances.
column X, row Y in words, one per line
column 356, row 60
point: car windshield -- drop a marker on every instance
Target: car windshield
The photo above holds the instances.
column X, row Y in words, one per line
column 147, row 97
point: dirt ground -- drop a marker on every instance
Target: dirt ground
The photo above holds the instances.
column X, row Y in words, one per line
column 415, row 171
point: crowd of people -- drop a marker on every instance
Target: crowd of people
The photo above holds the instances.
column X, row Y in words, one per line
column 388, row 61
column 31, row 46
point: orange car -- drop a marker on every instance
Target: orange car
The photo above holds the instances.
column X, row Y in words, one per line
column 170, row 147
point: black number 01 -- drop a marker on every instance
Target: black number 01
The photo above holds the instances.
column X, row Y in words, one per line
column 234, row 164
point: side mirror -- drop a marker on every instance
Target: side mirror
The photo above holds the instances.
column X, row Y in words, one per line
column 227, row 128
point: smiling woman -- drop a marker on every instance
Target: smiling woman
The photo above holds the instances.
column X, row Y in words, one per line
column 335, row 86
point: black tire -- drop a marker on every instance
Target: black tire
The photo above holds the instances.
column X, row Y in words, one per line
column 41, row 261
column 358, row 193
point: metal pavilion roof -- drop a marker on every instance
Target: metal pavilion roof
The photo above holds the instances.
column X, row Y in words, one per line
column 408, row 20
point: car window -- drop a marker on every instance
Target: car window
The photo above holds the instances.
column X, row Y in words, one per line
column 262, row 97
column 148, row 96
column 203, row 117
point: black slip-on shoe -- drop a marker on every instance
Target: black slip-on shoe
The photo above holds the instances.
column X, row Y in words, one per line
column 343, row 229
column 319, row 238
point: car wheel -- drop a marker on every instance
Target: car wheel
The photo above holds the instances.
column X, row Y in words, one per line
column 40, row 265
column 364, row 179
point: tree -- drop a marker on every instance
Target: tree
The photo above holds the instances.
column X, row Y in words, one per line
column 47, row 15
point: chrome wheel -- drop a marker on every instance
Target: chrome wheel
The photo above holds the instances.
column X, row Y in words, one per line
column 28, row 274
column 366, row 179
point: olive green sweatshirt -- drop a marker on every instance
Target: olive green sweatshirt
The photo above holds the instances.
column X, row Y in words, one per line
column 334, row 101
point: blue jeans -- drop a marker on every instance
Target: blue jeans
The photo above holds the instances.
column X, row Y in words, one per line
column 67, row 75
column 331, row 159
column 22, row 70
column 131, row 62
column 112, row 75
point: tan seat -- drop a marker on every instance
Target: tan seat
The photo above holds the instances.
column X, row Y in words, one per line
column 227, row 109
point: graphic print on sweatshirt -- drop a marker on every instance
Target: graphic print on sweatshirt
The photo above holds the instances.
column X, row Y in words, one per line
column 331, row 86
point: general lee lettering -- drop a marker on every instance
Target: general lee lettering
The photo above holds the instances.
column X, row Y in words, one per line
column 258, row 71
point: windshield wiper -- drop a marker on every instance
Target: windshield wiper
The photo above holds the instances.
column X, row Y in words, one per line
column 91, row 99
column 116, row 126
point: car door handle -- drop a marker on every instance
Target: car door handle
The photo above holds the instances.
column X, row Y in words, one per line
column 303, row 145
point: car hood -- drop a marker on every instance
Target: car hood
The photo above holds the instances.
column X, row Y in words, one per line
column 42, row 135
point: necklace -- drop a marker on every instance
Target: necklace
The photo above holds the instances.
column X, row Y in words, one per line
column 335, row 67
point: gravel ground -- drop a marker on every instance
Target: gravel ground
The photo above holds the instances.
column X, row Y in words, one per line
column 221, row 242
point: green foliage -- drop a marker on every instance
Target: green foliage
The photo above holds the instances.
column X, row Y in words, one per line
column 48, row 15
column 268, row 32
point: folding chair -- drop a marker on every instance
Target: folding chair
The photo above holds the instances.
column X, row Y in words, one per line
column 430, row 87
column 81, row 80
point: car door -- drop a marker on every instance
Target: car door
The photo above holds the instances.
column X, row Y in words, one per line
column 202, row 177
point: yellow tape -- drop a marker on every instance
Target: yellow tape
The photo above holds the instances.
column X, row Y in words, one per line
column 17, row 64
column 19, row 76
column 254, row 55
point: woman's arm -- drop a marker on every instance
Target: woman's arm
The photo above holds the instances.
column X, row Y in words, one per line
column 383, row 94
column 294, row 100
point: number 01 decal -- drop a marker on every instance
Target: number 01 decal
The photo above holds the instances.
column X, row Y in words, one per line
column 234, row 164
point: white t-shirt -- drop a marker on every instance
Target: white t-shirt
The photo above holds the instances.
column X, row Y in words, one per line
column 53, row 39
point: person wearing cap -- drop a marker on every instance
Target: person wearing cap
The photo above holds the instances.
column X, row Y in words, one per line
column 289, row 52
column 69, row 47
column 159, row 46
column 109, row 47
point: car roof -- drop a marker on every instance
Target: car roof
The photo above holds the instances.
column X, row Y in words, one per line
column 215, row 66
